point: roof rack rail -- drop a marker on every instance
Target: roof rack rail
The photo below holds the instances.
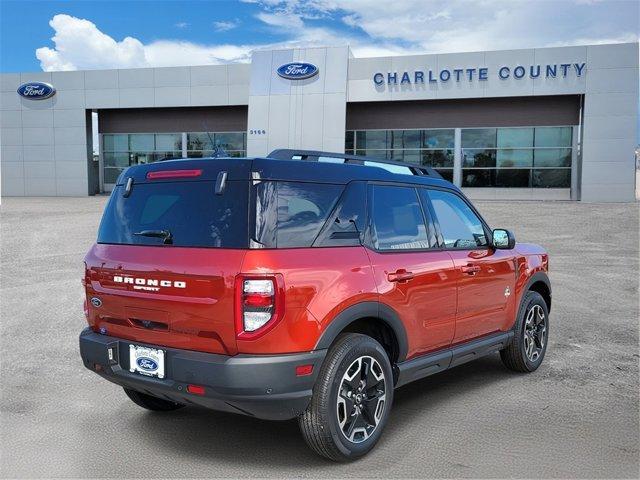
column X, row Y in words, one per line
column 316, row 156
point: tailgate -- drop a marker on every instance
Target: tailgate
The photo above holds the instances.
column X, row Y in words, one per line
column 171, row 241
column 174, row 297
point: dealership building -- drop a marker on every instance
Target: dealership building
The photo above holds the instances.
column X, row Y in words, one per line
column 549, row 123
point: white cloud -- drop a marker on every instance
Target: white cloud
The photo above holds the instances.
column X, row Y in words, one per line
column 79, row 44
column 281, row 19
column 182, row 25
column 225, row 26
column 166, row 53
column 370, row 27
column 437, row 26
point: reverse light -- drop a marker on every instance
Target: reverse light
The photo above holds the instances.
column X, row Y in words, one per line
column 259, row 304
column 173, row 174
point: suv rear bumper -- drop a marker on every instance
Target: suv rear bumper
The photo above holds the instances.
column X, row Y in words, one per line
column 262, row 386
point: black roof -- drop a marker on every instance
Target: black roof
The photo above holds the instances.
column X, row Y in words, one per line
column 296, row 165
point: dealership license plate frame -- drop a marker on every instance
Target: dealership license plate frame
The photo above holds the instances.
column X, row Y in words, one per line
column 137, row 356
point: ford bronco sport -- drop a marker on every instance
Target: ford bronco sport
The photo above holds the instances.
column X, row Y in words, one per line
column 305, row 285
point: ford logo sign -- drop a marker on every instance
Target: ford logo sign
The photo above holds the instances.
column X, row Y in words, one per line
column 297, row 70
column 147, row 364
column 36, row 90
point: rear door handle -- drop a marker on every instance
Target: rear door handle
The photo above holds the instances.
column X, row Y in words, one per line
column 400, row 275
column 470, row 269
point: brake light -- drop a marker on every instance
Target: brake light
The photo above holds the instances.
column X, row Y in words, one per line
column 173, row 174
column 259, row 304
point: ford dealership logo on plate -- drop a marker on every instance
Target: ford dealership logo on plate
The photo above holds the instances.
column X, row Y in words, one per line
column 36, row 90
column 297, row 70
column 146, row 363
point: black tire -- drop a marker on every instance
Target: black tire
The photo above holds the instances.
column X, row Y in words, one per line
column 152, row 403
column 515, row 356
column 320, row 424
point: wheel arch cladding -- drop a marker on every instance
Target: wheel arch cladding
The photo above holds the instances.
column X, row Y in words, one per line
column 369, row 318
column 539, row 282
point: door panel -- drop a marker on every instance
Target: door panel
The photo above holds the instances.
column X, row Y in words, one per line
column 426, row 303
column 486, row 276
column 486, row 286
column 418, row 283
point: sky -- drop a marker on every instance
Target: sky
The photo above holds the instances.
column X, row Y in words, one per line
column 78, row 35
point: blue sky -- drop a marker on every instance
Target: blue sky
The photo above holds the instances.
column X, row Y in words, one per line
column 73, row 35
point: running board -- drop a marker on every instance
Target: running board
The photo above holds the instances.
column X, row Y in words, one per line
column 431, row 363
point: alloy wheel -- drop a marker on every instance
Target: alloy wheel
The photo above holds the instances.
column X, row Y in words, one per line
column 535, row 332
column 361, row 399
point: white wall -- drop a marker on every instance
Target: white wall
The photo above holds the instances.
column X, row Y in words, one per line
column 610, row 123
column 310, row 113
column 609, row 85
column 361, row 87
column 43, row 143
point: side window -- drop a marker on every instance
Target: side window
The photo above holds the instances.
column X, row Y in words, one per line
column 396, row 218
column 347, row 222
column 291, row 214
column 460, row 226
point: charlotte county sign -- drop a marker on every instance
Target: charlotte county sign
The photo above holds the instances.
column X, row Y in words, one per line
column 297, row 70
column 36, row 90
column 479, row 73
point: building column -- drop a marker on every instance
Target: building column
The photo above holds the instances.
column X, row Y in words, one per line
column 101, row 163
column 457, row 157
column 575, row 166
column 184, row 145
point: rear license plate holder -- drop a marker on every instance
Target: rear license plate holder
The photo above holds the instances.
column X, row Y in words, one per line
column 146, row 361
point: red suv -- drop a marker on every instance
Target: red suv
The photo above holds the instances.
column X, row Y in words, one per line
column 305, row 285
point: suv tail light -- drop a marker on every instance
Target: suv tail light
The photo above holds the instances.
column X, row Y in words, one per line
column 259, row 304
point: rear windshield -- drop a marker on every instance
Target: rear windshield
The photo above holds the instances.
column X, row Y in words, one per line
column 189, row 213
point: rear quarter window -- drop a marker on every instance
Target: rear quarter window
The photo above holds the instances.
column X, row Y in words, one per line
column 190, row 210
column 291, row 214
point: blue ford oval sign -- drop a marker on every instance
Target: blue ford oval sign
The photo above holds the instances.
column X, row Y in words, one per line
column 297, row 70
column 147, row 364
column 36, row 90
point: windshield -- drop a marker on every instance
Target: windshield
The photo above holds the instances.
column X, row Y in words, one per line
column 182, row 214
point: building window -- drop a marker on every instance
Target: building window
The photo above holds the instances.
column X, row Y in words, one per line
column 537, row 157
column 125, row 149
column 430, row 148
column 203, row 144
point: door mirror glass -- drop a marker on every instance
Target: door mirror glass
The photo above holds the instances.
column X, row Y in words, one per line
column 503, row 239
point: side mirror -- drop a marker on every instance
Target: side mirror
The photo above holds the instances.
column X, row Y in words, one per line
column 503, row 239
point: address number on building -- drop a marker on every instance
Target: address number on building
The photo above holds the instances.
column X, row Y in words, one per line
column 257, row 132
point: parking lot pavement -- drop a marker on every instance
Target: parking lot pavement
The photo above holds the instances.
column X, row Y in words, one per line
column 577, row 416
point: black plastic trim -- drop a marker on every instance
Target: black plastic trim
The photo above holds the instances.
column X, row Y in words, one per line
column 539, row 277
column 364, row 310
column 426, row 365
column 263, row 386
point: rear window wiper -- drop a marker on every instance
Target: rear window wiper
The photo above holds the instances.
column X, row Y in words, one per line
column 166, row 236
